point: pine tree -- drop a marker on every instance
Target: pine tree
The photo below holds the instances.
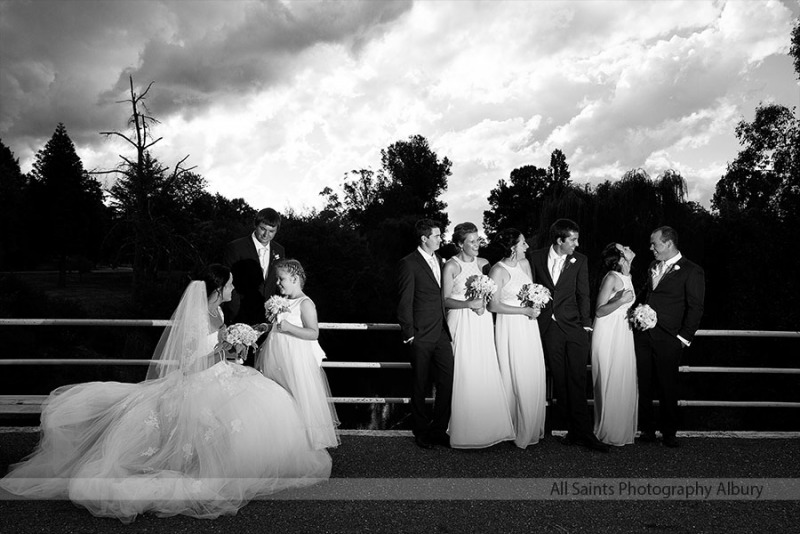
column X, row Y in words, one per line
column 70, row 203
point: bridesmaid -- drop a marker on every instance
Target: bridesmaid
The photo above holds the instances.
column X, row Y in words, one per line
column 613, row 357
column 480, row 415
column 519, row 346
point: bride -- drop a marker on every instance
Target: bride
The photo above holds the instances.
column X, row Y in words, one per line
column 199, row 437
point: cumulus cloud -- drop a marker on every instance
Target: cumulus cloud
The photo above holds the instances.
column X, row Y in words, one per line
column 262, row 93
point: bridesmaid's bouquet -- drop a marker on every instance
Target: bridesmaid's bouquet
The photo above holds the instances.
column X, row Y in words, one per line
column 480, row 287
column 238, row 337
column 275, row 306
column 642, row 318
column 534, row 296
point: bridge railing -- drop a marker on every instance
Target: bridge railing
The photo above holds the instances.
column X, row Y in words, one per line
column 31, row 404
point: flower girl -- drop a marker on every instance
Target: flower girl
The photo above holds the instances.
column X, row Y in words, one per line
column 292, row 357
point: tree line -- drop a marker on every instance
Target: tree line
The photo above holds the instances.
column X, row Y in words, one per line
column 162, row 219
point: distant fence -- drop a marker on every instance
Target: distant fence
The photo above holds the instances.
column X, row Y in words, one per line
column 31, row 404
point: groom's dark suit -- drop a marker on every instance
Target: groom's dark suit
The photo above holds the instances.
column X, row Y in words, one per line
column 565, row 341
column 421, row 314
column 678, row 302
column 252, row 288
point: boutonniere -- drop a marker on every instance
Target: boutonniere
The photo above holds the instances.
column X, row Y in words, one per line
column 572, row 260
column 276, row 257
column 676, row 267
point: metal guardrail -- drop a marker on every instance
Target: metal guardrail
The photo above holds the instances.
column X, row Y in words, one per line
column 28, row 403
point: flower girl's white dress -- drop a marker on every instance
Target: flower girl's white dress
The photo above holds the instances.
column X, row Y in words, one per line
column 295, row 364
column 200, row 438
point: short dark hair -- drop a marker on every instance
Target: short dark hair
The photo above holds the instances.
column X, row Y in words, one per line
column 294, row 268
column 507, row 239
column 267, row 216
column 611, row 257
column 461, row 231
column 424, row 227
column 668, row 233
column 561, row 229
column 215, row 276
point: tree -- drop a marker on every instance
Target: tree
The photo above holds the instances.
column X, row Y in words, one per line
column 518, row 204
column 415, row 179
column 765, row 175
column 146, row 194
column 70, row 201
column 794, row 48
column 14, row 219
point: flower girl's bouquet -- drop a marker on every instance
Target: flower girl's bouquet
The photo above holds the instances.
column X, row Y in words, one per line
column 480, row 287
column 534, row 296
column 642, row 317
column 275, row 306
column 238, row 337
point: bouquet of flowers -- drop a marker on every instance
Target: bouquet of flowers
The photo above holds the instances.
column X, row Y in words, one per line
column 643, row 317
column 534, row 296
column 275, row 306
column 480, row 287
column 238, row 337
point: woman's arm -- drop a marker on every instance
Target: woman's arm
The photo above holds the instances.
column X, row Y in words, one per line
column 449, row 273
column 611, row 296
column 310, row 328
column 501, row 277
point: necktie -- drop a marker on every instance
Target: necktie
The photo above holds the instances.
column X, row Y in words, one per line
column 435, row 268
column 557, row 265
column 263, row 259
column 658, row 272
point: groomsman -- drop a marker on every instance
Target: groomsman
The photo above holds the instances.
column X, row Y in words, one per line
column 251, row 259
column 675, row 289
column 421, row 314
column 564, row 324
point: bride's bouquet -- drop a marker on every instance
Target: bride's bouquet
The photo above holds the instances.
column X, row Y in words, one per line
column 275, row 306
column 480, row 287
column 238, row 337
column 643, row 317
column 534, row 296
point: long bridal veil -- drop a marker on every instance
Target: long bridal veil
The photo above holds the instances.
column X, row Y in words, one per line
column 186, row 345
column 196, row 438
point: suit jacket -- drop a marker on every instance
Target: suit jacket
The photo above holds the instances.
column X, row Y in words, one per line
column 570, row 302
column 420, row 309
column 251, row 287
column 678, row 298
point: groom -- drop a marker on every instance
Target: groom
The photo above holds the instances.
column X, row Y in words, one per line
column 421, row 314
column 675, row 289
column 251, row 259
column 564, row 324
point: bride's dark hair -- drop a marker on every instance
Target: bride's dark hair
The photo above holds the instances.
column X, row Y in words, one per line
column 611, row 257
column 215, row 276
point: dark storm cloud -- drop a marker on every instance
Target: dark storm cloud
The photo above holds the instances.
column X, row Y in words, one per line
column 255, row 52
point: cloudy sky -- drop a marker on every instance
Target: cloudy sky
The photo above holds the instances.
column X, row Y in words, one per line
column 274, row 100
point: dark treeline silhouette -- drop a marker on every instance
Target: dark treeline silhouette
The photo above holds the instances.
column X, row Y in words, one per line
column 166, row 225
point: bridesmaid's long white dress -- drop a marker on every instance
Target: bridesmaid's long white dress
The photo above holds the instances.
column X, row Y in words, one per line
column 480, row 413
column 614, row 375
column 521, row 358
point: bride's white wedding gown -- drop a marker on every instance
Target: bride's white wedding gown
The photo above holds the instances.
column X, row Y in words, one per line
column 198, row 441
